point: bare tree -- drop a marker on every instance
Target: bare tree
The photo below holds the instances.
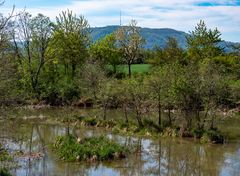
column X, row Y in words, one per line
column 131, row 42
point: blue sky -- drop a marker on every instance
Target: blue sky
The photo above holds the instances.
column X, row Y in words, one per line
column 177, row 14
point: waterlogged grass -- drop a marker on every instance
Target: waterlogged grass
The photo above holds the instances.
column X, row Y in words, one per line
column 5, row 162
column 4, row 156
column 91, row 149
column 4, row 172
column 151, row 129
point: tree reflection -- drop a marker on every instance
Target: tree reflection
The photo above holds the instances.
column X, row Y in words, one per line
column 165, row 157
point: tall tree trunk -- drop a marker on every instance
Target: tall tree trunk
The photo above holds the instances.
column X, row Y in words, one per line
column 68, row 127
column 198, row 119
column 159, row 112
column 73, row 70
column 105, row 111
column 212, row 122
column 114, row 69
column 189, row 119
column 139, row 120
column 125, row 114
column 169, row 117
column 129, row 70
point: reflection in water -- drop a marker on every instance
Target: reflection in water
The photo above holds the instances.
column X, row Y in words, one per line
column 166, row 157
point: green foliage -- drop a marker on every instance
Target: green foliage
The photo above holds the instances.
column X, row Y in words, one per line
column 90, row 149
column 213, row 136
column 136, row 68
column 137, row 96
column 4, row 172
column 93, row 79
column 69, row 42
column 90, row 121
column 30, row 47
column 106, row 52
column 199, row 133
column 170, row 54
column 151, row 125
column 235, row 89
column 169, row 132
column 55, row 63
column 4, row 155
column 203, row 43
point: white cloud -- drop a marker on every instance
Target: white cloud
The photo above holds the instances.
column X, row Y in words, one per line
column 177, row 14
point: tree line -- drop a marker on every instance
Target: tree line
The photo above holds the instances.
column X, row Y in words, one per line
column 58, row 63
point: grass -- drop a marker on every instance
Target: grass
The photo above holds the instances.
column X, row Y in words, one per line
column 230, row 127
column 69, row 148
column 5, row 158
column 4, row 155
column 135, row 68
column 151, row 129
column 4, row 172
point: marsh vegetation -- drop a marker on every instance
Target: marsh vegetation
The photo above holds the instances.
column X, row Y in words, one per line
column 170, row 91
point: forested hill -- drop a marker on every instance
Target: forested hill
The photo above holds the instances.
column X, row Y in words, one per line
column 153, row 37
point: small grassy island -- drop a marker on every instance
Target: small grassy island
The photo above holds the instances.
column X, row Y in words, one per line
column 5, row 161
column 70, row 148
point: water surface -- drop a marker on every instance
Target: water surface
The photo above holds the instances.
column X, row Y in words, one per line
column 153, row 157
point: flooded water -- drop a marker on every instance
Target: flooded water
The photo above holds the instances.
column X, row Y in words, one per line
column 154, row 156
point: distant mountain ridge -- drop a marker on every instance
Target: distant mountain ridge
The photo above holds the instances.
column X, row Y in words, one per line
column 154, row 37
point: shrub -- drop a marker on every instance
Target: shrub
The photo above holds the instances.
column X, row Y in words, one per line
column 213, row 136
column 169, row 132
column 4, row 155
column 198, row 133
column 148, row 123
column 4, row 172
column 90, row 121
column 90, row 149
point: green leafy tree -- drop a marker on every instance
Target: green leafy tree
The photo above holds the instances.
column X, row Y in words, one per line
column 92, row 79
column 33, row 37
column 215, row 90
column 8, row 66
column 156, row 57
column 107, row 95
column 203, row 42
column 138, row 97
column 160, row 84
column 157, row 84
column 187, row 86
column 70, row 41
column 105, row 51
column 67, row 53
column 172, row 52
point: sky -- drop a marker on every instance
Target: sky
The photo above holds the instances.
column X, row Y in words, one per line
column 181, row 15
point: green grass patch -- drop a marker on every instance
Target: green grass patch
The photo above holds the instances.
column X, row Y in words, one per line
column 135, row 68
column 5, row 162
column 4, row 172
column 70, row 148
column 4, row 155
